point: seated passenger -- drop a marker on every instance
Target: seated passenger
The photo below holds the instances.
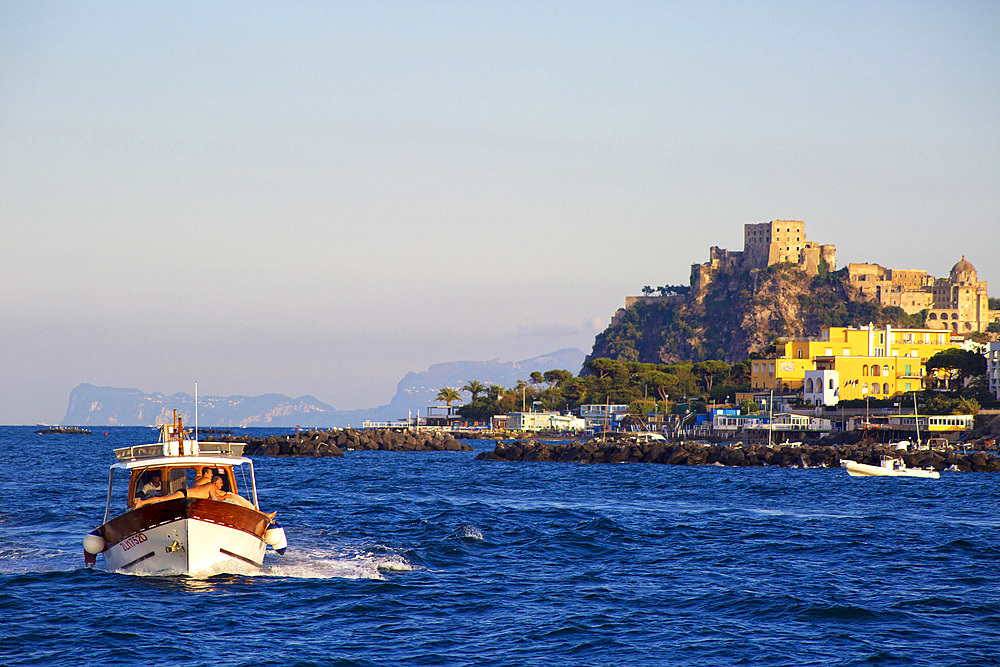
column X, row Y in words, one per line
column 211, row 491
column 151, row 487
column 205, row 477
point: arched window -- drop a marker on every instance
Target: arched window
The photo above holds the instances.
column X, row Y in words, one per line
column 968, row 326
column 875, row 372
column 885, row 370
column 831, row 383
column 864, row 371
column 864, row 388
column 954, row 316
column 809, row 385
column 932, row 316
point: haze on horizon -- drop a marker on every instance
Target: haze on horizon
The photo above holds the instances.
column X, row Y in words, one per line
column 315, row 198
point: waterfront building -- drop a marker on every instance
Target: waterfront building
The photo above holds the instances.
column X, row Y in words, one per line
column 543, row 421
column 993, row 369
column 599, row 415
column 846, row 363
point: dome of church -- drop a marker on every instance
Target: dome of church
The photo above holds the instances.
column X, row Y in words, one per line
column 963, row 266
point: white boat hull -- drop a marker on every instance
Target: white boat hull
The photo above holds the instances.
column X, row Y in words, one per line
column 855, row 469
column 191, row 539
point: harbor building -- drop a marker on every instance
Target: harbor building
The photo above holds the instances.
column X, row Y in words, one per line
column 849, row 363
column 993, row 369
column 543, row 421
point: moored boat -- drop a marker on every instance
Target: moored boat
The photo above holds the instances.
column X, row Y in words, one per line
column 183, row 510
column 890, row 467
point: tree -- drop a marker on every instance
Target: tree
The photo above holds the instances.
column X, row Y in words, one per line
column 709, row 370
column 647, row 290
column 966, row 406
column 748, row 407
column 956, row 364
column 536, row 379
column 556, row 377
column 475, row 388
column 447, row 395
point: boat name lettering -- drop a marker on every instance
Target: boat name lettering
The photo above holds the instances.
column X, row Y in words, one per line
column 133, row 540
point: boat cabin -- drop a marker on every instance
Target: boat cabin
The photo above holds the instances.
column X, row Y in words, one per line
column 176, row 462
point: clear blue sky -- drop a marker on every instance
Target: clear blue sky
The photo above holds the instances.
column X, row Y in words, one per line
column 315, row 198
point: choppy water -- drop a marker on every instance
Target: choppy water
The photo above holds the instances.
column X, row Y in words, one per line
column 434, row 558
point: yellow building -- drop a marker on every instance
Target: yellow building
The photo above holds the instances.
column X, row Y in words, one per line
column 850, row 363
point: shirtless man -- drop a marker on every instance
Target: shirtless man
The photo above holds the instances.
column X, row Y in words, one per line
column 211, row 491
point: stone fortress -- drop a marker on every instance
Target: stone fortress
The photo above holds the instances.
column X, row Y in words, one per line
column 958, row 302
column 765, row 244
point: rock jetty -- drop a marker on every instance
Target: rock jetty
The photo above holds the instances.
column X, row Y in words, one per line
column 692, row 453
column 335, row 441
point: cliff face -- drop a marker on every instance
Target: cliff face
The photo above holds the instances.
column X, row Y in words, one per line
column 738, row 313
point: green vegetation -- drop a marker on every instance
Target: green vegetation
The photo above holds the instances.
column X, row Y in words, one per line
column 448, row 395
column 643, row 387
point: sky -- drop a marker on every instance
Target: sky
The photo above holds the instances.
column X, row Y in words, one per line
column 318, row 197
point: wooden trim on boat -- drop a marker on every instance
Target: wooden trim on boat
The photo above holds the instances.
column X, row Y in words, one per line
column 213, row 511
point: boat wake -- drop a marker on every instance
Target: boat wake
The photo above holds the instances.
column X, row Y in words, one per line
column 320, row 563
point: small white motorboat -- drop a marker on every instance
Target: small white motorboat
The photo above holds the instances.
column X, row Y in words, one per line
column 890, row 467
column 172, row 523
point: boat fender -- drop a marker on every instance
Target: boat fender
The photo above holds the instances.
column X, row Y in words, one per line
column 93, row 543
column 275, row 536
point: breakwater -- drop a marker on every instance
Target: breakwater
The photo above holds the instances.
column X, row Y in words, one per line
column 334, row 442
column 692, row 453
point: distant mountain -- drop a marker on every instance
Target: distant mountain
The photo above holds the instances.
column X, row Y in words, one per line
column 110, row 406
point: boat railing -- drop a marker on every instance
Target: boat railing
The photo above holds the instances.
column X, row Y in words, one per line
column 189, row 448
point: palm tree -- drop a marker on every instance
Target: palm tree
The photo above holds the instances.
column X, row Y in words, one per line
column 475, row 388
column 447, row 395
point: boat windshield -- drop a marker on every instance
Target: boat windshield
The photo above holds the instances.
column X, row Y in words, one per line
column 163, row 480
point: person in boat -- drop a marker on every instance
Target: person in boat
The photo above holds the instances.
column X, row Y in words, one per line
column 212, row 491
column 151, row 486
column 206, row 476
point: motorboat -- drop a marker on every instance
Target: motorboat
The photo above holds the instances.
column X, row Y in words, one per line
column 173, row 523
column 889, row 467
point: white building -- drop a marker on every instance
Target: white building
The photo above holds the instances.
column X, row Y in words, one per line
column 544, row 421
column 993, row 368
column 821, row 388
column 597, row 415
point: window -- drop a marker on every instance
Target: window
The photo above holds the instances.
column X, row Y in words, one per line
column 885, row 370
column 864, row 371
column 831, row 383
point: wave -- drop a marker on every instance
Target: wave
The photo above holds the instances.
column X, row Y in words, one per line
column 328, row 563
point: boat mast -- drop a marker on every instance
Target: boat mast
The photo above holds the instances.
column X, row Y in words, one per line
column 196, row 411
column 916, row 419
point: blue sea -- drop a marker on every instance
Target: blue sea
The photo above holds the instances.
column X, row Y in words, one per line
column 425, row 558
